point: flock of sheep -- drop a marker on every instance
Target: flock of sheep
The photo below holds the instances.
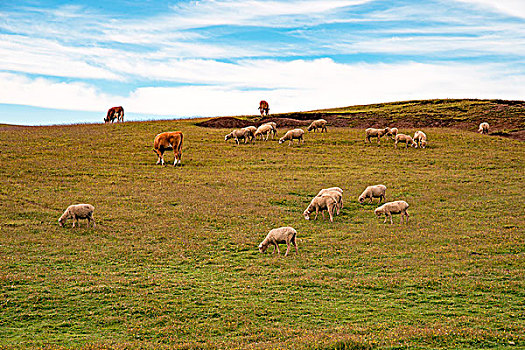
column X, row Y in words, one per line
column 329, row 199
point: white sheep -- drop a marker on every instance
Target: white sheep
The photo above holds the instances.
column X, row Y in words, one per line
column 320, row 204
column 372, row 132
column 318, row 124
column 420, row 139
column 265, row 129
column 484, row 128
column 404, row 138
column 239, row 134
column 392, row 132
column 376, row 191
column 78, row 211
column 335, row 192
column 274, row 127
column 280, row 235
column 393, row 208
column 292, row 135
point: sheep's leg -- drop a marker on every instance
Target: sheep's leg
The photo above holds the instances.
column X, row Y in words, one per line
column 287, row 248
column 386, row 218
column 391, row 222
column 330, row 212
column 322, row 213
column 75, row 220
column 316, row 212
column 294, row 241
column 406, row 214
column 395, row 144
column 277, row 246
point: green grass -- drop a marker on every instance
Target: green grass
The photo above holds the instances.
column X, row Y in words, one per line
column 173, row 261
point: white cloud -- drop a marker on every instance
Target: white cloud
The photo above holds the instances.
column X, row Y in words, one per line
column 514, row 8
column 304, row 85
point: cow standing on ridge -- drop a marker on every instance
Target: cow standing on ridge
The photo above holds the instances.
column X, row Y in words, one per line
column 264, row 107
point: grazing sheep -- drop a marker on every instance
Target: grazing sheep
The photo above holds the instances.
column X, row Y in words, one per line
column 318, row 124
column 321, row 203
column 252, row 129
column 404, row 138
column 280, row 235
column 371, row 132
column 78, row 211
column 335, row 192
column 420, row 139
column 376, row 191
column 265, row 129
column 484, row 128
column 165, row 141
column 291, row 135
column 274, row 128
column 392, row 132
column 240, row 134
column 393, row 208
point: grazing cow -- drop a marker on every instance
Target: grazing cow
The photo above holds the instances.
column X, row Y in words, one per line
column 264, row 107
column 167, row 140
column 115, row 113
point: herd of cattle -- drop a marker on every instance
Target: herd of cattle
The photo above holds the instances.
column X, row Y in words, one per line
column 329, row 199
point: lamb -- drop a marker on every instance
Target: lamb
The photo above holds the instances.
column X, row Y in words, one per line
column 335, row 192
column 78, row 211
column 318, row 124
column 280, row 235
column 420, row 139
column 274, row 127
column 321, row 203
column 484, row 128
column 393, row 208
column 291, row 135
column 376, row 191
column 240, row 134
column 404, row 138
column 371, row 132
column 265, row 129
column 392, row 132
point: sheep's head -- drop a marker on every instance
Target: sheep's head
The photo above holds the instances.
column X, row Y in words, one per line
column 361, row 199
column 227, row 137
column 306, row 214
column 310, row 128
column 423, row 144
column 61, row 221
column 281, row 141
column 263, row 247
column 378, row 211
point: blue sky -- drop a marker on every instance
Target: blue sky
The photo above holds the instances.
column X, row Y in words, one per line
column 69, row 61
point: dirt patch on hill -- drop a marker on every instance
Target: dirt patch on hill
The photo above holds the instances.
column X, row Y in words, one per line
column 506, row 118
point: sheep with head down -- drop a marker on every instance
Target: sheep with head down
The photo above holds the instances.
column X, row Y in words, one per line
column 321, row 203
column 318, row 124
column 295, row 134
column 274, row 128
column 404, row 139
column 336, row 193
column 392, row 132
column 484, row 128
column 280, row 235
column 265, row 129
column 397, row 207
column 240, row 134
column 376, row 191
column 78, row 211
column 420, row 139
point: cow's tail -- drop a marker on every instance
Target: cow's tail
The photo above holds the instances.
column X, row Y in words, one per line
column 179, row 148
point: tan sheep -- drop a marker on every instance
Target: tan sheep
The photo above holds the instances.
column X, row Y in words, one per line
column 265, row 129
column 320, row 204
column 280, row 235
column 292, row 135
column 393, row 208
column 318, row 124
column 420, row 139
column 78, row 211
column 404, row 138
column 376, row 191
column 484, row 128
column 392, row 132
column 239, row 134
column 335, row 192
column 274, row 127
column 372, row 132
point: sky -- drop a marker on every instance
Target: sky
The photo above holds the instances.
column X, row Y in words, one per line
column 64, row 62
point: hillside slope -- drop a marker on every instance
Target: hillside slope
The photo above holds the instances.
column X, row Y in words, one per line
column 507, row 118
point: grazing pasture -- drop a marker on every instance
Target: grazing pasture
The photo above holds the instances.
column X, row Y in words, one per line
column 174, row 263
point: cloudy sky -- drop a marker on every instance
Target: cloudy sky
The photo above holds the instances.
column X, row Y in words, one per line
column 69, row 61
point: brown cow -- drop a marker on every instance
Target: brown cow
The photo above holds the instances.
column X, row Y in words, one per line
column 264, row 107
column 115, row 113
column 167, row 140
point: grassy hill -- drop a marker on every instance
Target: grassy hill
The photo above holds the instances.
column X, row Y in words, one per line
column 173, row 261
